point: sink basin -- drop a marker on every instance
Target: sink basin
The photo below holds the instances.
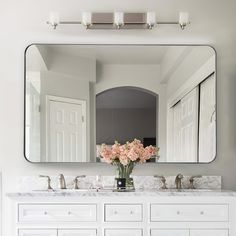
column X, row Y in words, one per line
column 187, row 190
column 66, row 190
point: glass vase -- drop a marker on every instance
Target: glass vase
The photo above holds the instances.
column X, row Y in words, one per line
column 124, row 171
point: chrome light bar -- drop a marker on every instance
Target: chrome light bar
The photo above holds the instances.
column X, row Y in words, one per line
column 118, row 20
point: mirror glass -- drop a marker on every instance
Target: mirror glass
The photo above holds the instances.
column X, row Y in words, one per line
column 78, row 97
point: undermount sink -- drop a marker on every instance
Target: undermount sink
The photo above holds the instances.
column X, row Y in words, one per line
column 66, row 190
column 187, row 190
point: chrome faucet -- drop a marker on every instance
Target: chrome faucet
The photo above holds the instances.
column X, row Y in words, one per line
column 191, row 180
column 163, row 180
column 62, row 181
column 48, row 180
column 76, row 181
column 178, row 181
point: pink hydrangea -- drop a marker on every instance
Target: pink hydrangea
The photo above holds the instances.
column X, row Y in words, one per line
column 129, row 152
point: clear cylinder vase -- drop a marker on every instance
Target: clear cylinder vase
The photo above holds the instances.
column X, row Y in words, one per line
column 125, row 171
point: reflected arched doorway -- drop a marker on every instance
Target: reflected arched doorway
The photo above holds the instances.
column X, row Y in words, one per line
column 126, row 113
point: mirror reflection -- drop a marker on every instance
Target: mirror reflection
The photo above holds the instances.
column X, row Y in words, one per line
column 78, row 97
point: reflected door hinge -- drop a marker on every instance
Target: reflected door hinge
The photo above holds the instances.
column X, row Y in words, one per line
column 82, row 118
column 39, row 108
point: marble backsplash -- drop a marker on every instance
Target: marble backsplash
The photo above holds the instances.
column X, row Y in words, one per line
column 30, row 183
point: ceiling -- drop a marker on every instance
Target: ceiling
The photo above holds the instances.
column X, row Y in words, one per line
column 108, row 54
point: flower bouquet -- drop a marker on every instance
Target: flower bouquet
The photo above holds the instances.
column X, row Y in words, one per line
column 126, row 156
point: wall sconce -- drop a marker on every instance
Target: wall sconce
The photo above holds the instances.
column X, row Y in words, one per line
column 118, row 20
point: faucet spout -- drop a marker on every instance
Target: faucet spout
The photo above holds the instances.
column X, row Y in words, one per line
column 62, row 181
column 178, row 181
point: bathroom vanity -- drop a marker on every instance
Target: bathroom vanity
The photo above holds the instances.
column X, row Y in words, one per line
column 140, row 213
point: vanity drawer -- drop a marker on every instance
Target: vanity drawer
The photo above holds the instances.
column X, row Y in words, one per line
column 205, row 232
column 185, row 212
column 123, row 232
column 169, row 232
column 57, row 213
column 37, row 232
column 123, row 212
column 77, row 232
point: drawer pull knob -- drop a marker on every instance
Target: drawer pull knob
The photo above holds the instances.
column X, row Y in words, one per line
column 202, row 212
column 131, row 212
column 45, row 213
column 69, row 213
column 178, row 212
column 115, row 212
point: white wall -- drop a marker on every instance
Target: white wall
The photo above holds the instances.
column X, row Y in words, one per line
column 23, row 22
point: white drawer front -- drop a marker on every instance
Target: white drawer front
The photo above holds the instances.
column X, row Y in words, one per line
column 79, row 232
column 57, row 213
column 37, row 232
column 123, row 232
column 209, row 233
column 172, row 232
column 183, row 212
column 122, row 212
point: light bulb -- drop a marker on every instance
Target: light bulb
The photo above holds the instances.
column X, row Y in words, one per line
column 151, row 19
column 183, row 19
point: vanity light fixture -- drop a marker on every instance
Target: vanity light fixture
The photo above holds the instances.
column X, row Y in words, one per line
column 118, row 20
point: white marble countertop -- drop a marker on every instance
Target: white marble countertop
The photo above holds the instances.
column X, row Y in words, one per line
column 139, row 193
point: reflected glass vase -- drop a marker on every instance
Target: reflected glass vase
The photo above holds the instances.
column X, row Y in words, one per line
column 124, row 172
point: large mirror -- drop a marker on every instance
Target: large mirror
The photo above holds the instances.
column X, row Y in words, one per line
column 78, row 97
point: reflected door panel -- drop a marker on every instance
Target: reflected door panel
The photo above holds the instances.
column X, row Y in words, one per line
column 65, row 132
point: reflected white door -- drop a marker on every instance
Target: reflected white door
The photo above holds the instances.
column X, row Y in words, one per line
column 189, row 126
column 207, row 123
column 67, row 130
column 183, row 129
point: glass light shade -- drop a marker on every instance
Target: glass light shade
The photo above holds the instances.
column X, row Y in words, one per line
column 54, row 18
column 119, row 18
column 87, row 18
column 151, row 18
column 183, row 18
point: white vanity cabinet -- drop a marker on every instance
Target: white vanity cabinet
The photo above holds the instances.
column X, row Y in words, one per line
column 171, row 232
column 123, row 232
column 118, row 214
column 78, row 232
column 37, row 232
column 209, row 232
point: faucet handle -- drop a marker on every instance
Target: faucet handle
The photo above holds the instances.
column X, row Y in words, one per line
column 48, row 181
column 76, row 180
column 191, row 180
column 163, row 180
